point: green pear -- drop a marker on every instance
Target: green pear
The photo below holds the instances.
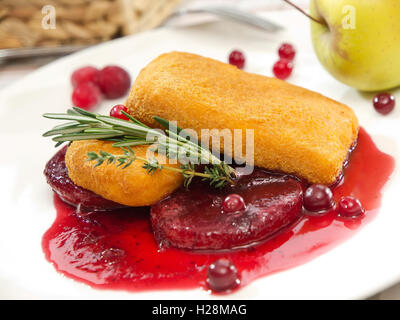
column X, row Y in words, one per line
column 358, row 41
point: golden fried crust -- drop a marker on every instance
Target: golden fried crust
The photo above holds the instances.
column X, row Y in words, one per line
column 131, row 186
column 296, row 130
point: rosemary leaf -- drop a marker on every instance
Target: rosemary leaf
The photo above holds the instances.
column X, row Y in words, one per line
column 134, row 120
column 84, row 112
column 65, row 130
column 63, row 116
column 83, row 136
column 131, row 143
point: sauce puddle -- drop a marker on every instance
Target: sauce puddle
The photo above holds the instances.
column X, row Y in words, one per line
column 117, row 250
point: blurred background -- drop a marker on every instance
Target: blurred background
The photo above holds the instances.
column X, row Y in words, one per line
column 29, row 40
column 85, row 22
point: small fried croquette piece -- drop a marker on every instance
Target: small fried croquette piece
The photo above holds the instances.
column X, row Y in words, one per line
column 131, row 186
column 296, row 130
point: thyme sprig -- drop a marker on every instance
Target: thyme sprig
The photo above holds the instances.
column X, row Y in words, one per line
column 152, row 165
column 86, row 125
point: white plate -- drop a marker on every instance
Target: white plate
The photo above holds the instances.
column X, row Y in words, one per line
column 361, row 266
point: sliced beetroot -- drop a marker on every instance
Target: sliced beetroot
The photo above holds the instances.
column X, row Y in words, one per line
column 57, row 177
column 195, row 219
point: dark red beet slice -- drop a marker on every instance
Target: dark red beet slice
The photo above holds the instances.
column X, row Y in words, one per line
column 57, row 177
column 194, row 219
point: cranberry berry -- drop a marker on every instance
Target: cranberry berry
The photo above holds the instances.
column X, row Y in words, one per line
column 222, row 275
column 233, row 203
column 282, row 69
column 286, row 51
column 84, row 74
column 384, row 102
column 349, row 207
column 86, row 95
column 113, row 81
column 318, row 198
column 237, row 59
column 116, row 112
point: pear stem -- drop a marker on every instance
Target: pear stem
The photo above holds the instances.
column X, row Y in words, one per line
column 303, row 12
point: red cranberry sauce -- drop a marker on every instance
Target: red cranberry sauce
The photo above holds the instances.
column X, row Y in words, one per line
column 117, row 250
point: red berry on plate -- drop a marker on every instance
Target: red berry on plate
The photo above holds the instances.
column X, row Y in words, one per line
column 113, row 81
column 86, row 95
column 350, row 207
column 233, row 203
column 84, row 74
column 116, row 112
column 282, row 69
column 286, row 51
column 318, row 198
column 222, row 275
column 237, row 59
column 384, row 102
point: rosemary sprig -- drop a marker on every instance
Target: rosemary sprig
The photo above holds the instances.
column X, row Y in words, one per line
column 85, row 125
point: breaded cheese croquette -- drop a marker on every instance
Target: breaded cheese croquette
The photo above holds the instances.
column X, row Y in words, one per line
column 131, row 186
column 296, row 130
